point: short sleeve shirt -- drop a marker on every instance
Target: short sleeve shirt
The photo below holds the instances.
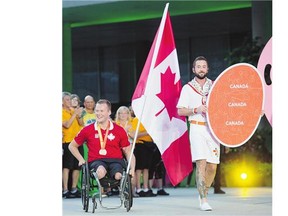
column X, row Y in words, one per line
column 68, row 134
column 89, row 118
column 116, row 140
column 190, row 98
column 146, row 138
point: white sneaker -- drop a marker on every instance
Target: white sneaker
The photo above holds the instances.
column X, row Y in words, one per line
column 205, row 207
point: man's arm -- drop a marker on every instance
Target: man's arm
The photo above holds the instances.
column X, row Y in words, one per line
column 183, row 111
column 131, row 133
column 67, row 124
column 76, row 115
column 73, row 147
column 80, row 121
column 127, row 151
column 79, row 116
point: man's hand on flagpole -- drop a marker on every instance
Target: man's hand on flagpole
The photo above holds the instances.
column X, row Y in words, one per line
column 202, row 109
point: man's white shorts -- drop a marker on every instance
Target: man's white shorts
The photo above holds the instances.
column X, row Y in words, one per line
column 203, row 144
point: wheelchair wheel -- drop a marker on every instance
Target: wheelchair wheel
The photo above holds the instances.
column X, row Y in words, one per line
column 128, row 202
column 85, row 187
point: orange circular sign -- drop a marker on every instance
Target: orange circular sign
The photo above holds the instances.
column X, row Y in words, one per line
column 235, row 103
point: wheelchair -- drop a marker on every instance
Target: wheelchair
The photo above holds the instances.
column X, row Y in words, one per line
column 90, row 181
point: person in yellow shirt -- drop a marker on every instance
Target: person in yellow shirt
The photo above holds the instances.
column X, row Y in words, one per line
column 143, row 157
column 71, row 125
column 88, row 114
column 124, row 119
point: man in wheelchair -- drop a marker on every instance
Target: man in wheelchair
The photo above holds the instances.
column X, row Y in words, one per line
column 107, row 142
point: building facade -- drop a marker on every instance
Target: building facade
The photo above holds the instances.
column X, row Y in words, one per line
column 105, row 46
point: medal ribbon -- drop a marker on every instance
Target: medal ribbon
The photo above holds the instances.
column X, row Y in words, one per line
column 103, row 143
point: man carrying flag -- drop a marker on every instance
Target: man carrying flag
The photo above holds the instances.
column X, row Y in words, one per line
column 154, row 103
column 205, row 148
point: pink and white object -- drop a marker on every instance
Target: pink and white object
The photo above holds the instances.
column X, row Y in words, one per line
column 265, row 68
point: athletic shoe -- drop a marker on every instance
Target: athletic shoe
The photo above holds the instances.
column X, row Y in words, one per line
column 69, row 195
column 76, row 194
column 115, row 191
column 205, row 207
column 219, row 191
column 64, row 194
column 109, row 193
column 141, row 193
column 150, row 193
column 135, row 195
column 162, row 192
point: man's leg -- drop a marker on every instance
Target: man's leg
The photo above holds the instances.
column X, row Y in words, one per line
column 201, row 179
column 101, row 172
column 65, row 176
column 145, row 179
column 210, row 175
column 134, row 183
column 75, row 177
column 204, row 173
column 138, row 180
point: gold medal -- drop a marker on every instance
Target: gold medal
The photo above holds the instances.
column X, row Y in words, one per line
column 102, row 152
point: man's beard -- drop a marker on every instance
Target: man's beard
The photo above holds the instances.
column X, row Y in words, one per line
column 200, row 77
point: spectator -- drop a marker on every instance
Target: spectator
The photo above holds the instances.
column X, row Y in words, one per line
column 71, row 125
column 124, row 119
column 143, row 157
column 157, row 171
column 88, row 113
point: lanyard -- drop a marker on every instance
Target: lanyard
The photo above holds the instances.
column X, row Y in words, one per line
column 103, row 142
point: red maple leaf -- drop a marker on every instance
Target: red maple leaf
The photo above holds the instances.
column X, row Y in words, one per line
column 169, row 94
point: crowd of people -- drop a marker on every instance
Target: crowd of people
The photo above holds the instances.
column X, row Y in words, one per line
column 147, row 165
column 91, row 135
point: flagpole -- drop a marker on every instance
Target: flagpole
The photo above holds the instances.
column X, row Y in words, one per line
column 159, row 37
column 148, row 93
column 151, row 66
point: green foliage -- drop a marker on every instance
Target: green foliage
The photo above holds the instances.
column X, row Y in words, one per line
column 259, row 174
column 248, row 52
column 265, row 169
column 254, row 157
column 257, row 147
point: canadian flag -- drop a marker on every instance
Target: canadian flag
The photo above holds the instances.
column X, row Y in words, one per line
column 154, row 103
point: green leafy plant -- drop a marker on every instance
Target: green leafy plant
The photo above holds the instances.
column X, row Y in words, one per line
column 248, row 52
